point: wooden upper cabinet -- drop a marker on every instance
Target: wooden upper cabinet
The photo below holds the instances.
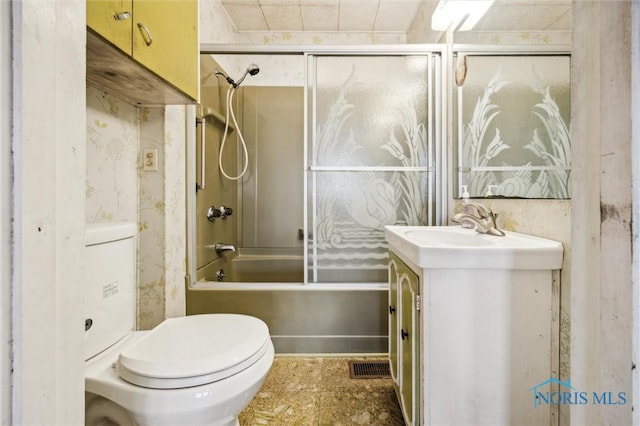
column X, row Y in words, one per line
column 157, row 57
column 165, row 40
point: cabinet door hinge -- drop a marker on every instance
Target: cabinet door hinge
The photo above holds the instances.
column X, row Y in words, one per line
column 418, row 302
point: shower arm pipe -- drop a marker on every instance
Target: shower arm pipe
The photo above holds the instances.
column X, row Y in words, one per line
column 229, row 98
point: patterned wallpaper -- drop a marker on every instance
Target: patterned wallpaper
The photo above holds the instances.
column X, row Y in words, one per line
column 151, row 229
column 117, row 189
column 112, row 156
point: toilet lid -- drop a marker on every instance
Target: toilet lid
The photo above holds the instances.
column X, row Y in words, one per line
column 194, row 350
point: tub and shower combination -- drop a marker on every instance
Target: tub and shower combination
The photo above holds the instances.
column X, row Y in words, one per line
column 328, row 145
column 337, row 145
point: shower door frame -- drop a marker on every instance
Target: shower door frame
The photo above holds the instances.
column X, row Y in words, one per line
column 434, row 60
column 437, row 139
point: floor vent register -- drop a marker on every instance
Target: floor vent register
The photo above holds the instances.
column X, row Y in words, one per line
column 369, row 369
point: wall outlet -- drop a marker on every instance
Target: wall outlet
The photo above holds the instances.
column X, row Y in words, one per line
column 150, row 160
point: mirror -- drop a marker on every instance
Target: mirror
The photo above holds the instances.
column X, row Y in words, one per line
column 512, row 125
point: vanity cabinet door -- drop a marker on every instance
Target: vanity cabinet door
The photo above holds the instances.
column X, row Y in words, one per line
column 394, row 339
column 404, row 337
column 410, row 346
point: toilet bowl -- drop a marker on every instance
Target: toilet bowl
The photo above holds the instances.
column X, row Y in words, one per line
column 182, row 378
column 193, row 370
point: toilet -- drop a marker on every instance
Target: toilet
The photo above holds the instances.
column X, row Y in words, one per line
column 193, row 370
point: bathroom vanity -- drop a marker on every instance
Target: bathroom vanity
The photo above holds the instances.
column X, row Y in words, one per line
column 473, row 325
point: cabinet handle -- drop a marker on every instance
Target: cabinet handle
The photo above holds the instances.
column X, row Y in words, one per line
column 391, row 309
column 122, row 16
column 404, row 334
column 146, row 33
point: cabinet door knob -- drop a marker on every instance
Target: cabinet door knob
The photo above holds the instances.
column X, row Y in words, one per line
column 391, row 309
column 404, row 334
column 146, row 34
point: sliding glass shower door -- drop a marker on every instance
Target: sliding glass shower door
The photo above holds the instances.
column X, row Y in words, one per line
column 368, row 159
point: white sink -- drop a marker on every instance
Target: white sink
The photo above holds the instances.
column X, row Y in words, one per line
column 446, row 247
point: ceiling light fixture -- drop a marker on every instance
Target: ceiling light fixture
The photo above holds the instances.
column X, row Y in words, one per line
column 463, row 15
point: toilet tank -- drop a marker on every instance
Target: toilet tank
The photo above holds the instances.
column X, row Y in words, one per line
column 109, row 284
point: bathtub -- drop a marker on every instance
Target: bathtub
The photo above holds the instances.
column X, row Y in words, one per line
column 335, row 318
column 256, row 265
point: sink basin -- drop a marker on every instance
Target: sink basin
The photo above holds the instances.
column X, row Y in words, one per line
column 447, row 247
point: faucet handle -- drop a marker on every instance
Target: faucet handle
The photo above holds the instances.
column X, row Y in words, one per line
column 225, row 211
column 213, row 213
column 483, row 211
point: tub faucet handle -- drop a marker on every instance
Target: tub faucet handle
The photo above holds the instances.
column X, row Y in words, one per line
column 214, row 213
column 225, row 211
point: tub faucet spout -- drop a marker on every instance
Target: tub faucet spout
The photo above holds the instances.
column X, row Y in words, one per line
column 222, row 247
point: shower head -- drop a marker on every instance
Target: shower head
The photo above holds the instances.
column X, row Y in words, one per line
column 252, row 69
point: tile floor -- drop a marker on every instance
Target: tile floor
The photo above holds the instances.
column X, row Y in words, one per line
column 319, row 391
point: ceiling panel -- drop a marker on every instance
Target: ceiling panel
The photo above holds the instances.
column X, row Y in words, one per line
column 282, row 17
column 357, row 16
column 395, row 15
column 245, row 2
column 246, row 18
column 522, row 17
column 320, row 17
column 279, row 2
column 387, row 15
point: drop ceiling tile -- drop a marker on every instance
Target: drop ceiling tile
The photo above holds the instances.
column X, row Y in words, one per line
column 279, row 2
column 320, row 18
column 283, row 18
column 357, row 15
column 532, row 2
column 511, row 17
column 395, row 15
column 540, row 16
column 245, row 2
column 563, row 22
column 246, row 18
column 386, row 15
column 319, row 2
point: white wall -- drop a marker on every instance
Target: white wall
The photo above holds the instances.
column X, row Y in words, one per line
column 601, row 286
column 5, row 213
column 49, row 160
column 635, row 160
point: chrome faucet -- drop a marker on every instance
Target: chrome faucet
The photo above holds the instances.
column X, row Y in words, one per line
column 484, row 221
column 222, row 247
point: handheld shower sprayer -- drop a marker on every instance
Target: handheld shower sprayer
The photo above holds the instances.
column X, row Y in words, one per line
column 252, row 70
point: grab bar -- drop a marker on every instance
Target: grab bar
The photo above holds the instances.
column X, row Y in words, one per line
column 203, row 173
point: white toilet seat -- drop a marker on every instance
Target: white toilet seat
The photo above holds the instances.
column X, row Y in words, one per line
column 194, row 350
